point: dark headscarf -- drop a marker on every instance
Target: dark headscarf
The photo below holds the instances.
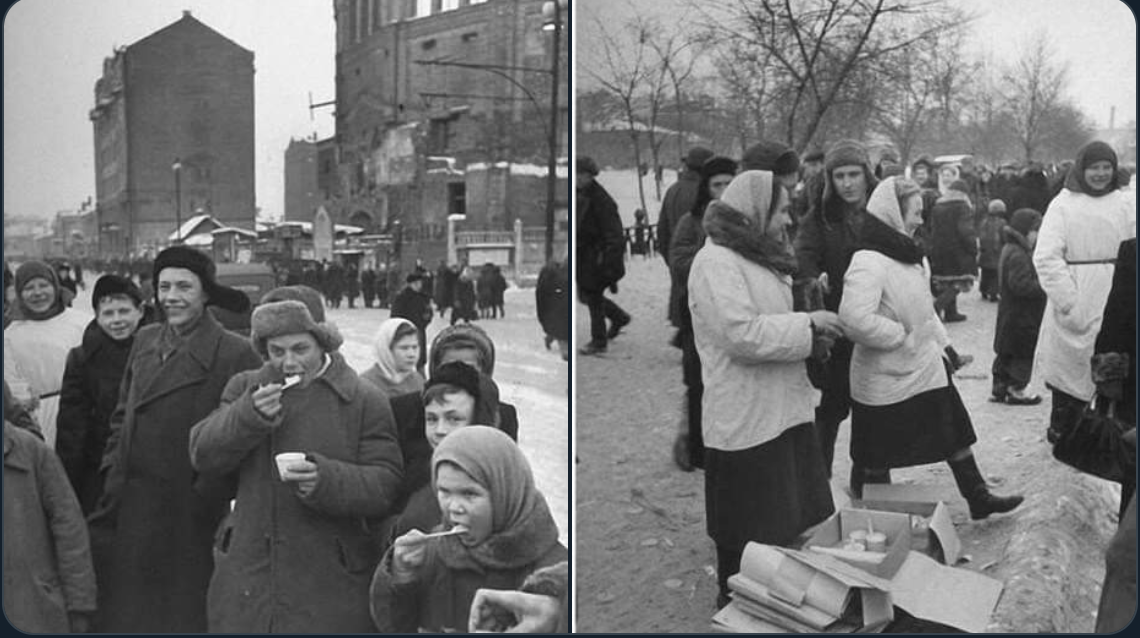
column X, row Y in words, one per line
column 38, row 270
column 1095, row 151
column 522, row 528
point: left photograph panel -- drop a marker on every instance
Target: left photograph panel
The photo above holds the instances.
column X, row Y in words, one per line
column 286, row 316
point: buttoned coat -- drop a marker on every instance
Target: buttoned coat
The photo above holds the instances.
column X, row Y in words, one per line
column 153, row 530
column 286, row 563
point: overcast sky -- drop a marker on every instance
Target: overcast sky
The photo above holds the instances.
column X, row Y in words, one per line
column 1096, row 37
column 53, row 54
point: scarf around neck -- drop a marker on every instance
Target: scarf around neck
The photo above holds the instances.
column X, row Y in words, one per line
column 731, row 229
column 522, row 528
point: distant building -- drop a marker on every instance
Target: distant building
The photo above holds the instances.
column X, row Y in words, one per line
column 408, row 127
column 184, row 92
column 310, row 177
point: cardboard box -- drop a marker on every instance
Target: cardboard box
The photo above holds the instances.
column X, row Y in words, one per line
column 917, row 501
column 895, row 525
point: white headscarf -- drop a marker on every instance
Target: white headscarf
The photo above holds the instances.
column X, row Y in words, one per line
column 750, row 193
column 382, row 349
column 884, row 205
column 943, row 183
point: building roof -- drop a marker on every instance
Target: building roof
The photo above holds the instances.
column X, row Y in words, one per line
column 187, row 21
column 193, row 224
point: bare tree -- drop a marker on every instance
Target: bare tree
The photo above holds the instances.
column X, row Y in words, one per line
column 677, row 54
column 1035, row 85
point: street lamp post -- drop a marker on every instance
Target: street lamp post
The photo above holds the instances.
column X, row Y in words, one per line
column 177, row 167
column 552, row 21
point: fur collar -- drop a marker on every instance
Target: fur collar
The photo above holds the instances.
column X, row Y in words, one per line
column 876, row 235
column 730, row 228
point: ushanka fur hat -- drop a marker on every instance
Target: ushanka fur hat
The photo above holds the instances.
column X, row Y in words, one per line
column 289, row 310
column 201, row 265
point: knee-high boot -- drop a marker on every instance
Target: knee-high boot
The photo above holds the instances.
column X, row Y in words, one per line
column 973, row 488
column 861, row 476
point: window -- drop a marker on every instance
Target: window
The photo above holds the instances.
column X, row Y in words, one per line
column 469, row 36
column 450, row 5
column 428, row 45
column 457, row 199
column 423, row 8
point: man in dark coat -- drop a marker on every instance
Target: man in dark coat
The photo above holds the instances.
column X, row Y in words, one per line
column 368, row 285
column 1020, row 309
column 444, row 290
column 678, row 200
column 413, row 304
column 953, row 249
column 825, row 242
column 298, row 551
column 599, row 256
column 351, row 285
column 91, row 384
column 334, row 284
column 990, row 240
column 552, row 304
column 153, row 529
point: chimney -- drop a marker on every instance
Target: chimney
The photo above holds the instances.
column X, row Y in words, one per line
column 1112, row 119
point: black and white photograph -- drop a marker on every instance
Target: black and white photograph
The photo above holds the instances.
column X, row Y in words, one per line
column 286, row 316
column 855, row 316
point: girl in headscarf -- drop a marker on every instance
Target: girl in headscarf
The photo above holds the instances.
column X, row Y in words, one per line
column 765, row 478
column 396, row 348
column 36, row 346
column 905, row 409
column 485, row 486
column 1074, row 257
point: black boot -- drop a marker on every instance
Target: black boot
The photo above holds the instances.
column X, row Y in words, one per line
column 861, row 476
column 973, row 488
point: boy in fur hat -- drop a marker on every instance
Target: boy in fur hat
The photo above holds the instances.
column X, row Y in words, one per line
column 296, row 554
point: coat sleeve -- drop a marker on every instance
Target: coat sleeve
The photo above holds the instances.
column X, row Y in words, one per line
column 859, row 309
column 687, row 240
column 370, row 486
column 1020, row 276
column 744, row 329
column 110, row 469
column 74, row 421
column 665, row 227
column 1049, row 259
column 613, row 241
column 1118, row 327
column 809, row 246
column 395, row 605
column 69, row 533
column 221, row 441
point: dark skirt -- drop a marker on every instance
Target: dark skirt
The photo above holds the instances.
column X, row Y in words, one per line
column 770, row 493
column 926, row 428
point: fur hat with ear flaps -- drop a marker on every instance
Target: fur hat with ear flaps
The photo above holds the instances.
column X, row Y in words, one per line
column 290, row 310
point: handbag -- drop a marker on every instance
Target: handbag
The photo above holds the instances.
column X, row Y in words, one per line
column 1095, row 444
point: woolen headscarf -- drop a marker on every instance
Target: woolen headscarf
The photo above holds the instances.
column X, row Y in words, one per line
column 944, row 183
column 38, row 270
column 522, row 528
column 382, row 349
column 463, row 336
column 1025, row 221
column 738, row 221
column 1094, row 151
column 884, row 231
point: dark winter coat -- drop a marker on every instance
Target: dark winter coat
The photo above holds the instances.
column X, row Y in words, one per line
column 413, row 306
column 47, row 558
column 952, row 247
column 1118, row 327
column 485, row 287
column 552, row 300
column 334, row 282
column 827, row 238
column 599, row 245
column 287, row 563
column 678, row 200
column 464, row 306
column 153, row 530
column 1032, row 191
column 352, row 284
column 498, row 286
column 1118, row 596
column 990, row 239
column 445, row 287
column 1022, row 302
column 687, row 240
column 90, row 390
column 368, row 285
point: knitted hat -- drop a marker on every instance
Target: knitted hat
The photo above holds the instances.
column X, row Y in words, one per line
column 1025, row 220
column 290, row 310
column 696, row 157
column 1089, row 154
column 773, row 157
column 997, row 207
column 201, row 265
column 586, row 164
column 718, row 166
column 457, row 374
column 110, row 285
column 463, row 336
column 28, row 271
column 961, row 186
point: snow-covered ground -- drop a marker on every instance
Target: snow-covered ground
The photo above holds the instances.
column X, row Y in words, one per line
column 531, row 378
column 622, row 186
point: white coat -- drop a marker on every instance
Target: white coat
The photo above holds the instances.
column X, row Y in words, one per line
column 887, row 311
column 1077, row 228
column 35, row 352
column 752, row 348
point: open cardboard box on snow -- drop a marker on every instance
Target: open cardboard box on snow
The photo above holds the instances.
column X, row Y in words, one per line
column 918, row 583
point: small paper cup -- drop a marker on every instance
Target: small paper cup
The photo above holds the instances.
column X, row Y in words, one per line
column 284, row 460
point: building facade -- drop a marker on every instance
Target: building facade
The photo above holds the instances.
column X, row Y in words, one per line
column 182, row 93
column 426, row 90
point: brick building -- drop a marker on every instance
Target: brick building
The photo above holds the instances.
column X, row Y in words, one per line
column 410, row 121
column 184, row 92
column 310, row 177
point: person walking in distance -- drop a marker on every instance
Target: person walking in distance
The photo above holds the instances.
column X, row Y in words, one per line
column 600, row 262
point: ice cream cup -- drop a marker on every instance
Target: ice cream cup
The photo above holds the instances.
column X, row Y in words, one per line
column 284, row 460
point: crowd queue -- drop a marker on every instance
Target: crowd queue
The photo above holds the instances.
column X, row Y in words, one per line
column 806, row 291
column 165, row 475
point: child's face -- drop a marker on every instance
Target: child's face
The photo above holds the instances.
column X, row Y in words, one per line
column 442, row 417
column 464, row 502
column 119, row 317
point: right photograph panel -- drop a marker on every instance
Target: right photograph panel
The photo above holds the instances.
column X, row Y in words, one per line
column 855, row 336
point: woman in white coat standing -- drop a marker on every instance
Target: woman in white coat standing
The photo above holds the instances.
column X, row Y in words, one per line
column 1074, row 256
column 765, row 478
column 905, row 409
